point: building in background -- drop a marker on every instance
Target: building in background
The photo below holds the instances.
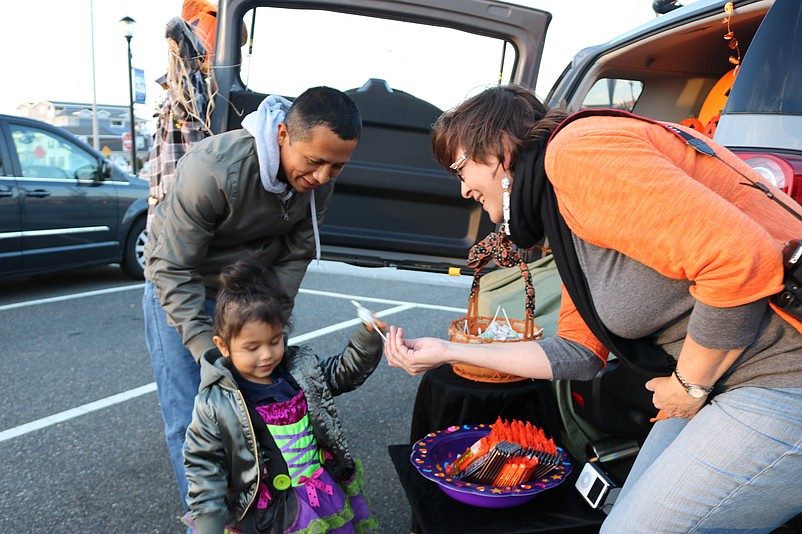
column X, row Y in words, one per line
column 113, row 127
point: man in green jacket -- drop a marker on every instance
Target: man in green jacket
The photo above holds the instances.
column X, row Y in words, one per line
column 259, row 192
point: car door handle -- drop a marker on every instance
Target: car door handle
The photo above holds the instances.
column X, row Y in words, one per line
column 6, row 193
column 39, row 193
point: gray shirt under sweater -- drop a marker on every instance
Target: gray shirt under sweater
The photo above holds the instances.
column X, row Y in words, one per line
column 635, row 301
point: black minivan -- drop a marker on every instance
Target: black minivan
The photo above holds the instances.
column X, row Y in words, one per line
column 63, row 205
column 405, row 61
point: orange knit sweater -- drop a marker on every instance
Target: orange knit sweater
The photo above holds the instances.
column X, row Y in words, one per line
column 634, row 187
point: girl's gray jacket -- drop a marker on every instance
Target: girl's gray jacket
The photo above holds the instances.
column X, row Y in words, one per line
column 221, row 450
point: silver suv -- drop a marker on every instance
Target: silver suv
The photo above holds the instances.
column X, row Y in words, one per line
column 734, row 73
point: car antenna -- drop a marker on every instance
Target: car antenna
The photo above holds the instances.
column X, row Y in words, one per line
column 661, row 7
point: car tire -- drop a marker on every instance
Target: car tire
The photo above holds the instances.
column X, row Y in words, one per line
column 133, row 263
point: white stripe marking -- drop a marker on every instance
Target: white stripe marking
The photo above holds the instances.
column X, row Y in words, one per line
column 62, row 298
column 75, row 412
column 149, row 388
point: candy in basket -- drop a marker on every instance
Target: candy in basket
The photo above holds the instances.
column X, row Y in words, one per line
column 474, row 328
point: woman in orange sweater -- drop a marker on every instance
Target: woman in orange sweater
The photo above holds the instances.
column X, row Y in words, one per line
column 663, row 251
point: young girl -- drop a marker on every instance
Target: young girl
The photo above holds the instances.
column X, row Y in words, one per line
column 265, row 451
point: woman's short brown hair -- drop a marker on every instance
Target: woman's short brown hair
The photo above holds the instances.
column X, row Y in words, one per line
column 480, row 125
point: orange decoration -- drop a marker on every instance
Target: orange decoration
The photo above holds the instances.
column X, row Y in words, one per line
column 202, row 16
column 712, row 124
column 693, row 124
column 730, row 35
column 717, row 97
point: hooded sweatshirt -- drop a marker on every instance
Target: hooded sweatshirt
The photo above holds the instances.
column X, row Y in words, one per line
column 263, row 126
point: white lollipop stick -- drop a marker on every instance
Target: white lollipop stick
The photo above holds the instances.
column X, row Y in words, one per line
column 496, row 315
column 367, row 317
column 507, row 318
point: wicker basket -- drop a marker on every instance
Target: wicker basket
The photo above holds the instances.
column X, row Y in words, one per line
column 526, row 328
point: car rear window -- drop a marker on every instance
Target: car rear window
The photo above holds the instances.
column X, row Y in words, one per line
column 770, row 80
column 345, row 51
column 613, row 93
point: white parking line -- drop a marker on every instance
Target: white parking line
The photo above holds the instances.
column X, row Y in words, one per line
column 72, row 413
column 73, row 296
column 362, row 298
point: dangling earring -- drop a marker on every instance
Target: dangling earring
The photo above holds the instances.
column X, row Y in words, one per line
column 505, row 186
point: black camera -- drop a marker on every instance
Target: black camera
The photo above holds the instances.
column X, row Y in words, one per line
column 790, row 298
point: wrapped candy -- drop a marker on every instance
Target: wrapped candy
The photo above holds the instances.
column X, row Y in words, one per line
column 512, row 453
column 499, row 331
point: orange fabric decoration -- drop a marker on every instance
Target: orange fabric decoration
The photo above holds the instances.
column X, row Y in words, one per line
column 202, row 16
column 190, row 8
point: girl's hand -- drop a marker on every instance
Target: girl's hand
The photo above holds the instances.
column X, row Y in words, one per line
column 672, row 399
column 381, row 324
column 415, row 356
column 369, row 319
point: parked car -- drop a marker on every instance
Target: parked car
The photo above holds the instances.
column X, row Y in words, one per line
column 63, row 205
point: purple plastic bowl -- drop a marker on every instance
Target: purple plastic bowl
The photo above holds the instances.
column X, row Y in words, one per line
column 431, row 454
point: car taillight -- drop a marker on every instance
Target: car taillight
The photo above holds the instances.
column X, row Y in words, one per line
column 781, row 170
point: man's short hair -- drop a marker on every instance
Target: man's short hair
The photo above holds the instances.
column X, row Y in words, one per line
column 324, row 106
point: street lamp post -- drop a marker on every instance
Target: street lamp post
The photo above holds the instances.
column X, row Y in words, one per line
column 128, row 30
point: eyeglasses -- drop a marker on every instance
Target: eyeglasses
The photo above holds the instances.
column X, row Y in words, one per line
column 456, row 167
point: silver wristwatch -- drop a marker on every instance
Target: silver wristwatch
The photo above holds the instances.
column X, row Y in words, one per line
column 697, row 392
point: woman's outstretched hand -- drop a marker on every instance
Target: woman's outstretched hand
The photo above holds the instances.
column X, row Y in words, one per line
column 415, row 356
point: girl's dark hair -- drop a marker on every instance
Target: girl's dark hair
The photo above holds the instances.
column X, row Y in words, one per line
column 481, row 123
column 249, row 292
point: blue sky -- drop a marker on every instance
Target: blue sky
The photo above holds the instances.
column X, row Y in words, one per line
column 47, row 44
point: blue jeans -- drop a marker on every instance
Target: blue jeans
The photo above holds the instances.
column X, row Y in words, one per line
column 735, row 467
column 177, row 378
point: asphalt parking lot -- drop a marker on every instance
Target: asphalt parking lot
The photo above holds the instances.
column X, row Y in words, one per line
column 80, row 426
